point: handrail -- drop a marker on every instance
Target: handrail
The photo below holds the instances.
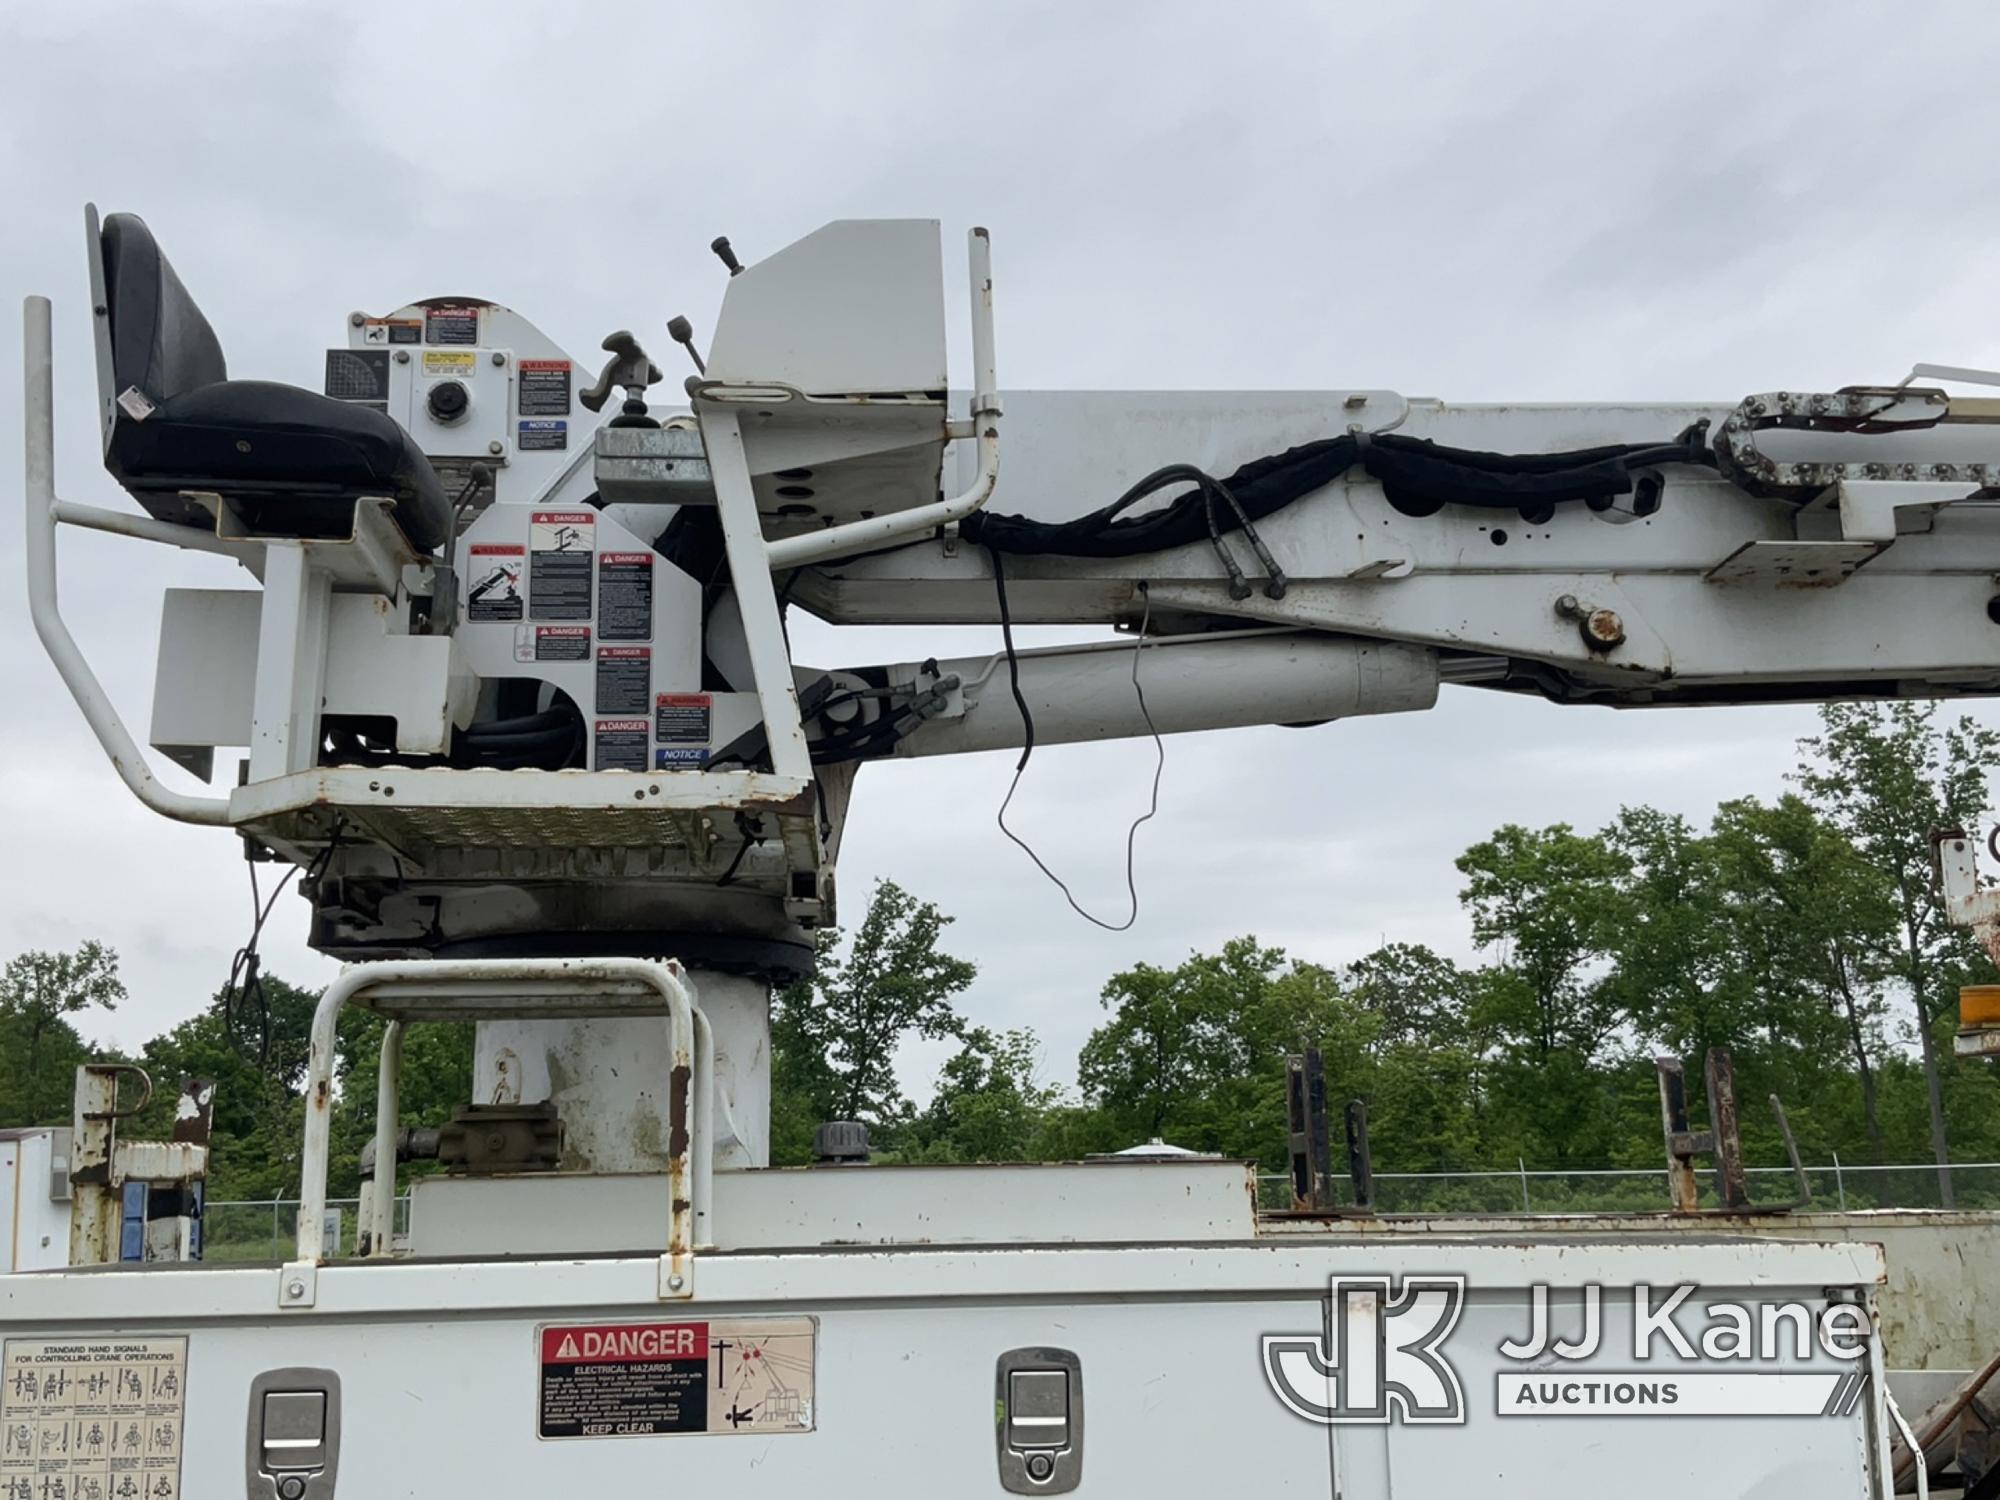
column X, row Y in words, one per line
column 463, row 989
column 42, row 509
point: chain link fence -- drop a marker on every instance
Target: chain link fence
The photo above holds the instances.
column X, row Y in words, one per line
column 1835, row 1187
column 265, row 1229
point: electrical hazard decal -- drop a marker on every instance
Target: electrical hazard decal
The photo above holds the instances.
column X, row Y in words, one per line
column 561, row 555
column 732, row 1375
column 92, row 1419
column 493, row 584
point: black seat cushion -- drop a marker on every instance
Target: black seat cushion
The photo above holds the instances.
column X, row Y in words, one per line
column 289, row 457
column 291, row 461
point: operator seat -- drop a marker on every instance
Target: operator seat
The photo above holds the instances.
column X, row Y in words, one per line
column 291, row 461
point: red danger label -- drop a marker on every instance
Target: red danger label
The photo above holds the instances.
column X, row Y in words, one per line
column 497, row 549
column 618, row 1343
column 565, row 518
column 628, row 559
column 544, row 364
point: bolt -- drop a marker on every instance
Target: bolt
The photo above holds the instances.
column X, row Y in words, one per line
column 675, row 1282
column 295, row 1289
column 1603, row 630
column 1567, row 607
column 499, row 358
column 495, row 446
column 402, row 356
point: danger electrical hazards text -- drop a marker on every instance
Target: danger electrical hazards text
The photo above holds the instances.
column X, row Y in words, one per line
column 723, row 1376
column 561, row 544
column 624, row 1381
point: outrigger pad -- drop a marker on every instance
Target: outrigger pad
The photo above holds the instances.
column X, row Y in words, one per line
column 291, row 460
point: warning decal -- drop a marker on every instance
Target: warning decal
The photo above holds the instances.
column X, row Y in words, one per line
column 744, row 1375
column 682, row 718
column 391, row 331
column 560, row 545
column 92, row 1419
column 543, row 388
column 493, row 582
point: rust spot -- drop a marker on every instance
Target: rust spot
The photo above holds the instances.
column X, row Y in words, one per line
column 681, row 1205
column 677, row 1111
column 320, row 1095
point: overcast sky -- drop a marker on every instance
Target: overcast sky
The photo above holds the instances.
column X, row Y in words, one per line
column 1478, row 202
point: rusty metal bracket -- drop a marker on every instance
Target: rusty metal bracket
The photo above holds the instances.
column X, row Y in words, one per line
column 1723, row 1140
column 112, row 1071
column 1360, row 1160
column 1310, row 1147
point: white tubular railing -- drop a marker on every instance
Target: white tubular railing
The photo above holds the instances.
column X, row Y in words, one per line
column 43, row 512
column 486, row 989
column 879, row 531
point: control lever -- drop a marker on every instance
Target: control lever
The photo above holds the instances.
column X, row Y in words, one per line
column 720, row 245
column 629, row 367
column 681, row 331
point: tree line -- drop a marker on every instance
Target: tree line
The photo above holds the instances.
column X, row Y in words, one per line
column 1803, row 933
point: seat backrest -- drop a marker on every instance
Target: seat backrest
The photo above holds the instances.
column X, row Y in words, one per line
column 159, row 340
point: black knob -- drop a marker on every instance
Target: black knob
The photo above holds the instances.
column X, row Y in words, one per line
column 447, row 401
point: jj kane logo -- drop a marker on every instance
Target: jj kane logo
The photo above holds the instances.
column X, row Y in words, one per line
column 1382, row 1357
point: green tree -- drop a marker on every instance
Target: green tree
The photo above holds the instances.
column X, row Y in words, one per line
column 1886, row 774
column 1552, row 906
column 1812, row 929
column 40, row 992
column 990, row 1103
column 1419, row 995
column 835, row 1036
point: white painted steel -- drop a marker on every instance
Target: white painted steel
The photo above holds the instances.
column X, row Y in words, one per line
column 437, row 1362
column 378, row 1212
column 606, row 1077
column 1123, row 1201
column 34, row 1225
column 38, row 442
column 291, row 663
column 877, row 531
column 756, row 602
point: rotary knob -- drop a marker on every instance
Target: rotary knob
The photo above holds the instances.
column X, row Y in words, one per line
column 448, row 401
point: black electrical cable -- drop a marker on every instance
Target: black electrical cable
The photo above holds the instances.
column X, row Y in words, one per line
column 1418, row 477
column 245, row 986
column 1028, row 749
